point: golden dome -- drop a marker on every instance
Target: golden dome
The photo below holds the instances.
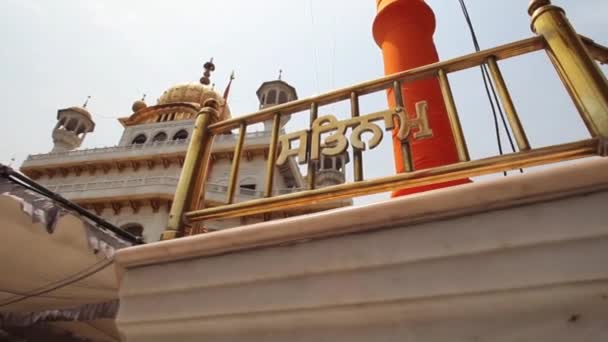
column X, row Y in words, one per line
column 188, row 92
column 193, row 93
column 138, row 105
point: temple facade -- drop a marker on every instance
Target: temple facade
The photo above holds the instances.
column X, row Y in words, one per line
column 133, row 183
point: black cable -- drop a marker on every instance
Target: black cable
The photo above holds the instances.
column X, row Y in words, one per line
column 489, row 87
column 62, row 283
column 27, row 183
column 54, row 283
column 486, row 73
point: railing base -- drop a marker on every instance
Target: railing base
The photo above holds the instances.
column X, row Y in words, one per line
column 170, row 235
column 602, row 147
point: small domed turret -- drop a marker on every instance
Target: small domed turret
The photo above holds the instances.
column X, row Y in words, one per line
column 274, row 93
column 331, row 170
column 139, row 104
column 73, row 124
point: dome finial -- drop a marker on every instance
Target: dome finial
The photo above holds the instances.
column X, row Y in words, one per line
column 280, row 74
column 227, row 90
column 209, row 68
column 139, row 104
column 86, row 102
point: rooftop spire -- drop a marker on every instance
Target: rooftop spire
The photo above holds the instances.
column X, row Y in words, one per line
column 280, row 74
column 209, row 68
column 86, row 102
column 227, row 90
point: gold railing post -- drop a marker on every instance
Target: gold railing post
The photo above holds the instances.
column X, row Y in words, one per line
column 191, row 181
column 583, row 78
column 507, row 103
column 236, row 162
column 312, row 164
column 357, row 154
column 450, row 104
column 272, row 154
column 406, row 148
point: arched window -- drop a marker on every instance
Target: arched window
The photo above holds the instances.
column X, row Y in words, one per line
column 134, row 228
column 181, row 135
column 140, row 139
column 71, row 124
column 80, row 131
column 327, row 164
column 61, row 123
column 282, row 97
column 272, row 97
column 162, row 136
column 339, row 164
column 263, row 99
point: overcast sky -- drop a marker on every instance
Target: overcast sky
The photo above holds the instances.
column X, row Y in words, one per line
column 55, row 53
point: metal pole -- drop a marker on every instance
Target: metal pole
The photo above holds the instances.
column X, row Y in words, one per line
column 461, row 145
column 195, row 164
column 582, row 77
column 357, row 155
column 312, row 164
column 236, row 162
column 272, row 154
column 507, row 103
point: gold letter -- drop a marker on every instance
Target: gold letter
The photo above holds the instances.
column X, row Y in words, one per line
column 333, row 144
column 287, row 151
column 420, row 121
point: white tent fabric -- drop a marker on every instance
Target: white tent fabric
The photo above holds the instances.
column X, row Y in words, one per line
column 57, row 266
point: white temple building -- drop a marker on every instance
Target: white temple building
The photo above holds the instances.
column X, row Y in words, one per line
column 133, row 183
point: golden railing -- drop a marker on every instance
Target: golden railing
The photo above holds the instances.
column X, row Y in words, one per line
column 573, row 56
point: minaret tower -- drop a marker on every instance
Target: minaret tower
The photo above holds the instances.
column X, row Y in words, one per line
column 73, row 124
column 331, row 170
column 274, row 93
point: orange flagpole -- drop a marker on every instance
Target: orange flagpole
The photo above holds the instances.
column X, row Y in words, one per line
column 404, row 30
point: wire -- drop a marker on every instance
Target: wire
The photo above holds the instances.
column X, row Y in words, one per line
column 115, row 338
column 25, row 182
column 333, row 53
column 76, row 277
column 490, row 90
column 314, row 47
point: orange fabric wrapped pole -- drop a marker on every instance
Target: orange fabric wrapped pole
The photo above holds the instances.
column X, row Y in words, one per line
column 404, row 30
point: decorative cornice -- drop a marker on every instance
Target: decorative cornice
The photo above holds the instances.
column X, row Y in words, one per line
column 76, row 167
column 150, row 114
column 134, row 203
column 151, row 161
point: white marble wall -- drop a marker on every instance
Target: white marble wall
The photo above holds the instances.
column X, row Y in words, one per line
column 516, row 259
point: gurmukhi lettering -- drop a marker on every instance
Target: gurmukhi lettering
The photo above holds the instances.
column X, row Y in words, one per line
column 286, row 150
column 337, row 143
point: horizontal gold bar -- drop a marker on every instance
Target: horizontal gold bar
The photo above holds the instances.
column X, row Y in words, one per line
column 440, row 174
column 501, row 52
